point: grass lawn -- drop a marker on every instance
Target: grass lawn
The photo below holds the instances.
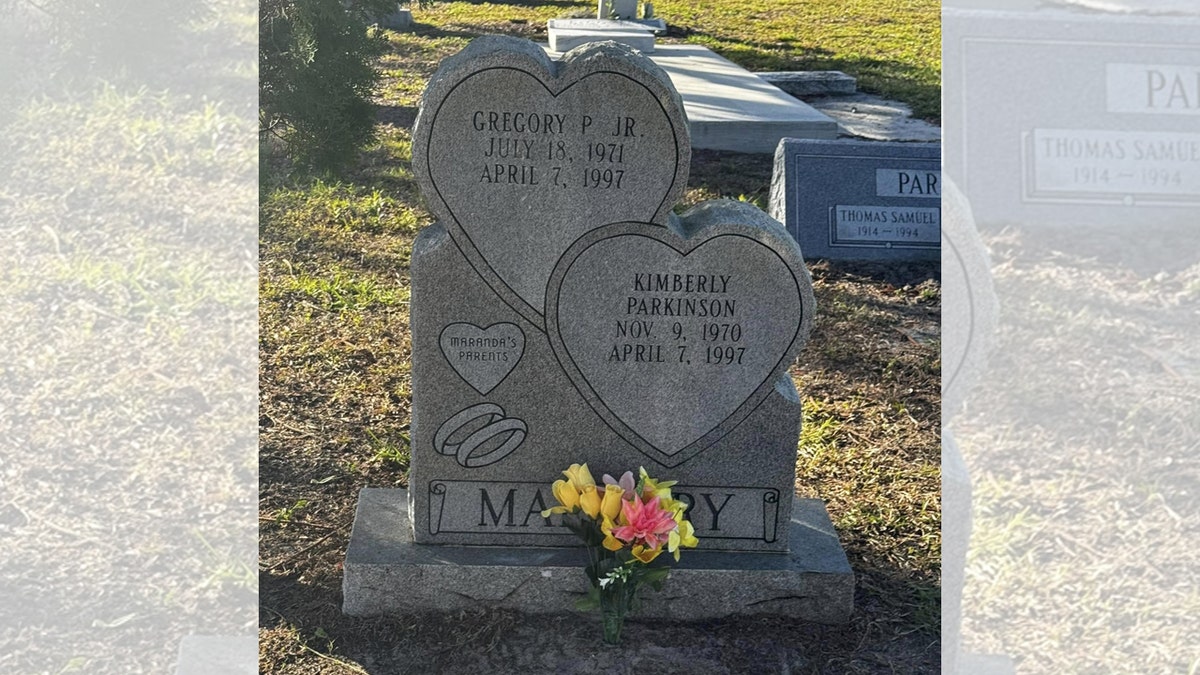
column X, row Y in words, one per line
column 893, row 47
column 335, row 385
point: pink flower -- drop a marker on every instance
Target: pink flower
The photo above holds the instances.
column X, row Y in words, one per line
column 626, row 483
column 645, row 523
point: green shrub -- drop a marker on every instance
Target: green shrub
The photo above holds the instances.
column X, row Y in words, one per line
column 316, row 76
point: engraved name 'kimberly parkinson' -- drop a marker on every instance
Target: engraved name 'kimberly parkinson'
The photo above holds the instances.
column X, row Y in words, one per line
column 678, row 297
column 654, row 305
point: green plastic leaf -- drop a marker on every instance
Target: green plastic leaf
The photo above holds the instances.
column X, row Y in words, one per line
column 590, row 601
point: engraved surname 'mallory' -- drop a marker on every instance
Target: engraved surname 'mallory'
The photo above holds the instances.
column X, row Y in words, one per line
column 507, row 509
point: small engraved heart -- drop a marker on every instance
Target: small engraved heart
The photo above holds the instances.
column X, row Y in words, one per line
column 518, row 156
column 482, row 357
column 674, row 336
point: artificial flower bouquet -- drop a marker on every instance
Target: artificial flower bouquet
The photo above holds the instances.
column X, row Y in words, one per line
column 626, row 526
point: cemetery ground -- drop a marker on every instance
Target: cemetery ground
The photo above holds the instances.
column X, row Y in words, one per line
column 335, row 387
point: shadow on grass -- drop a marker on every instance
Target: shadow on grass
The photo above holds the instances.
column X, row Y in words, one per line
column 426, row 30
column 401, row 116
column 898, row 274
column 894, row 628
column 572, row 4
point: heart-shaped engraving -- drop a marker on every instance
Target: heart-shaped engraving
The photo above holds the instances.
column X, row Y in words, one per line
column 519, row 156
column 482, row 357
column 674, row 335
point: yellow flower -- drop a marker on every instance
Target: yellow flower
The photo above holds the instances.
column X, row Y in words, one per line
column 610, row 542
column 653, row 488
column 684, row 535
column 676, row 506
column 646, row 555
column 589, row 499
column 567, row 496
column 579, row 476
column 611, row 506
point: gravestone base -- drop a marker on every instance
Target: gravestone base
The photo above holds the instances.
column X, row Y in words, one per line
column 812, row 82
column 386, row 573
column 567, row 34
column 655, row 24
column 729, row 108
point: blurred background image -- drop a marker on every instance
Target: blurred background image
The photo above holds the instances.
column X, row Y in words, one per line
column 128, row 463
column 1070, row 359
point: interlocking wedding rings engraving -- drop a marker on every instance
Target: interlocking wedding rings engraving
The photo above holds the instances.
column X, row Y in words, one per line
column 494, row 425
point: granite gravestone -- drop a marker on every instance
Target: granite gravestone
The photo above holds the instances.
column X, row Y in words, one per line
column 627, row 10
column 562, row 314
column 619, row 9
column 1067, row 118
column 859, row 200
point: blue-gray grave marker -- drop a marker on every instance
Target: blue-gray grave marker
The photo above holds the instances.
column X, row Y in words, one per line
column 859, row 200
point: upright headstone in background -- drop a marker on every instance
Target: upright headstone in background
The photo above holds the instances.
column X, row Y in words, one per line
column 400, row 20
column 622, row 9
column 859, row 200
column 561, row 314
